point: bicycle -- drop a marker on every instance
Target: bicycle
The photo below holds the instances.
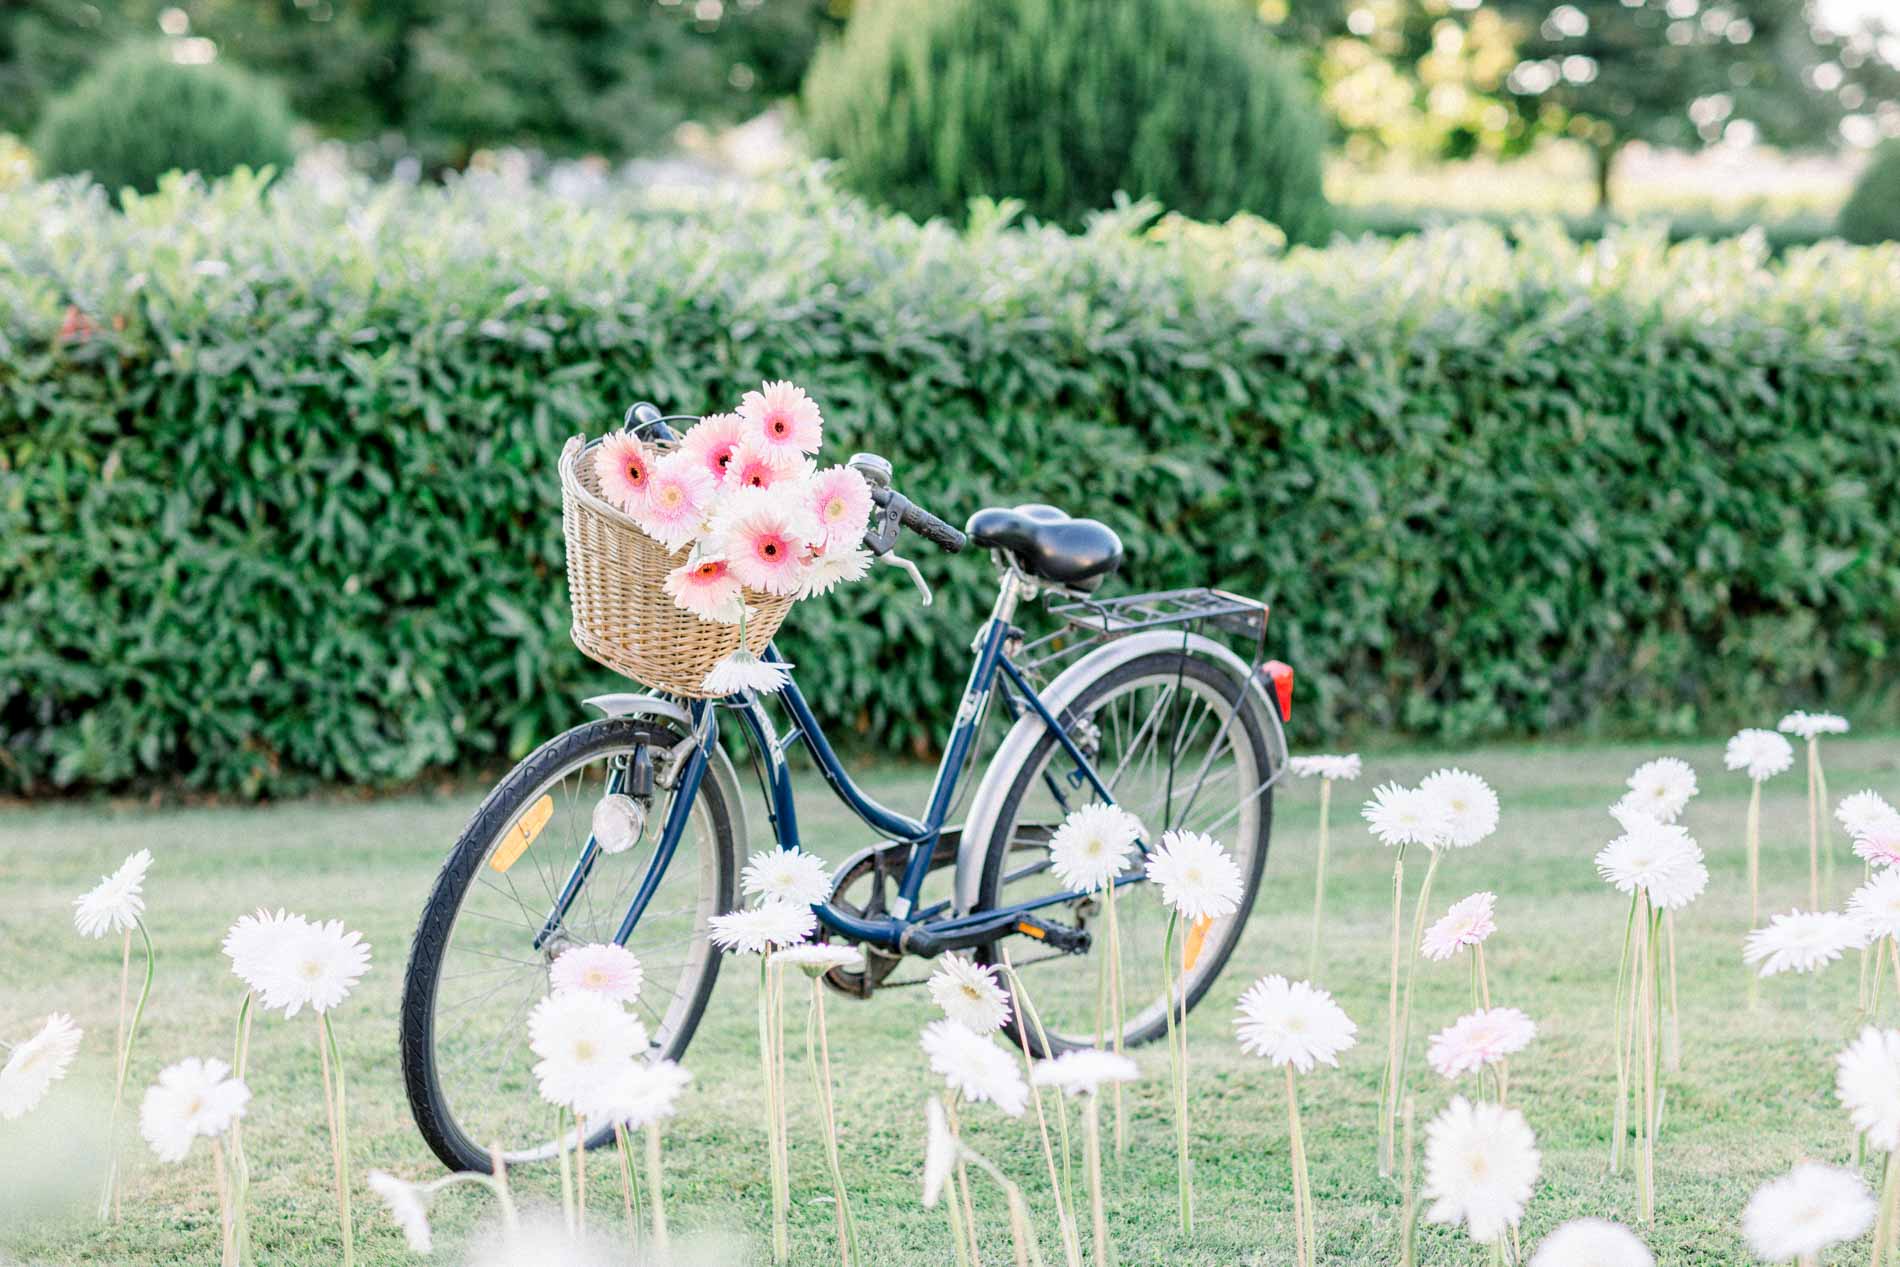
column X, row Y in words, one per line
column 1129, row 700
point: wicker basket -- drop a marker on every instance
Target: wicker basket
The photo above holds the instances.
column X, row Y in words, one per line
column 623, row 616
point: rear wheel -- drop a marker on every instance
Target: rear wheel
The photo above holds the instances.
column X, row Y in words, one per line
column 475, row 973
column 1179, row 746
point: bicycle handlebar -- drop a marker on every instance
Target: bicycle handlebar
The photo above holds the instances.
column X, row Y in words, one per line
column 898, row 509
column 932, row 529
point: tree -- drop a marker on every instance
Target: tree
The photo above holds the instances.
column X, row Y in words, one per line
column 1681, row 73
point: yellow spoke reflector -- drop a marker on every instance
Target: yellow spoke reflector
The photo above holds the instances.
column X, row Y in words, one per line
column 522, row 834
column 1196, row 938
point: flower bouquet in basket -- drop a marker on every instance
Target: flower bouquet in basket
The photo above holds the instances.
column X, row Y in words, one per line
column 684, row 557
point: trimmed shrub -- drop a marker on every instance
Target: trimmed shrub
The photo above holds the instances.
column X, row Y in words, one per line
column 1062, row 104
column 1872, row 212
column 140, row 114
column 1778, row 235
column 278, row 500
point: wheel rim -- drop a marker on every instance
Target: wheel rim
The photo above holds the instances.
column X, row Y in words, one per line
column 490, row 976
column 1132, row 728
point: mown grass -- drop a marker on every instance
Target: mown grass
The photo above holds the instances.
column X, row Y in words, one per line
column 1755, row 1093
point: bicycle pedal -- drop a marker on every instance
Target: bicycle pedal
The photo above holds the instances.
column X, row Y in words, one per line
column 1073, row 941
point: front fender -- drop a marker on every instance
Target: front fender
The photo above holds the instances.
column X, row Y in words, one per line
column 987, row 803
column 640, row 704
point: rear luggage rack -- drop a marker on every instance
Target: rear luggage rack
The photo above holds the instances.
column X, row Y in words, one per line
column 1088, row 621
column 1230, row 612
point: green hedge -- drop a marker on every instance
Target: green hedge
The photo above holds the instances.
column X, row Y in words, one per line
column 1780, row 235
column 277, row 497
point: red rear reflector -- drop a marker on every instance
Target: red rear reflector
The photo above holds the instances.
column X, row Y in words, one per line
column 1281, row 674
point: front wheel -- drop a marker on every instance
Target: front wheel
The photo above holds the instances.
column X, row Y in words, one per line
column 475, row 970
column 1178, row 744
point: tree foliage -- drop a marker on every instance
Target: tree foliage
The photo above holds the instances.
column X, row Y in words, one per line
column 1062, row 104
column 1872, row 212
column 568, row 76
column 139, row 114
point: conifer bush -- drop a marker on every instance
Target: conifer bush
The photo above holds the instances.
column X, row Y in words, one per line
column 1062, row 104
column 1872, row 212
column 140, row 113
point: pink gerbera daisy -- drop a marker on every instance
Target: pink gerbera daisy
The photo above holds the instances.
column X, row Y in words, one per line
column 1467, row 923
column 625, row 468
column 1880, row 845
column 764, row 540
column 1479, row 1039
column 783, row 416
column 604, row 968
column 679, row 495
column 841, row 500
column 708, row 589
column 712, row 442
column 755, row 465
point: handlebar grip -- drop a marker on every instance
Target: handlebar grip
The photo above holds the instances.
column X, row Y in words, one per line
column 933, row 529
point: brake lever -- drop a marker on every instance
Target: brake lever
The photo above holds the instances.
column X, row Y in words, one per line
column 923, row 586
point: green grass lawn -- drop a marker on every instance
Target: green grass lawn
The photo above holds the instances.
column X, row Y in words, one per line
column 1755, row 1093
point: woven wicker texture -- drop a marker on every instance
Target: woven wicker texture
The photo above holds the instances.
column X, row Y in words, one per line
column 623, row 616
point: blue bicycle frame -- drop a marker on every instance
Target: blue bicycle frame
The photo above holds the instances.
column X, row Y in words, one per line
column 923, row 931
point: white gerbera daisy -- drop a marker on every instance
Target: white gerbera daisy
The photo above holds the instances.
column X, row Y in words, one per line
column 1802, row 941
column 583, row 1040
column 768, row 926
column 191, row 1099
column 1592, row 1243
column 1867, row 1079
column 1471, row 807
column 940, row 1152
column 605, row 968
column 1091, row 847
column 1480, row 1167
column 35, row 1064
column 1083, row 1071
column 1860, row 812
column 316, row 966
column 1335, row 766
column 974, row 1067
column 1662, row 788
column 819, row 957
column 408, row 1205
column 968, row 993
column 1197, row 877
column 833, row 568
column 1761, row 754
column 636, row 1094
column 1407, row 816
column 1805, row 1211
column 742, row 671
column 788, row 875
column 1876, row 905
column 1468, row 922
column 1292, row 1023
column 1481, row 1038
column 1660, row 858
column 116, row 902
column 255, row 943
column 1809, row 725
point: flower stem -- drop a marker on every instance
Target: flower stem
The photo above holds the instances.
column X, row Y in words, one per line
column 110, row 1203
column 1177, row 1057
column 1883, row 1226
column 503, row 1193
column 1319, row 879
column 240, row 1165
column 227, row 1234
column 963, row 1180
column 1814, row 824
column 952, row 1202
column 656, row 1188
column 1063, row 1183
column 1672, row 1024
column 629, row 1186
column 819, row 1060
column 1387, row 1103
column 781, row 1237
column 1304, row 1250
column 580, row 1173
column 339, row 1129
column 1411, row 972
column 1408, row 1227
column 1619, row 1121
column 1646, row 1178
column 1115, row 1020
column 567, row 1177
column 1092, row 1145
